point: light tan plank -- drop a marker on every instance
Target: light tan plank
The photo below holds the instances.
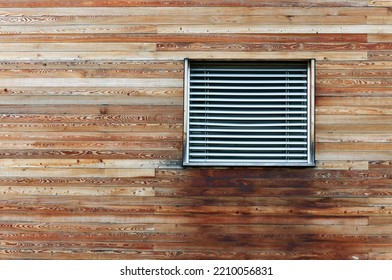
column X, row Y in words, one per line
column 354, row 146
column 355, row 82
column 94, row 65
column 178, row 219
column 342, row 165
column 94, row 82
column 92, row 154
column 359, row 72
column 363, row 119
column 99, row 73
column 373, row 19
column 93, row 92
column 328, row 55
column 350, row 92
column 89, row 100
column 155, row 112
column 380, row 201
column 281, row 29
column 191, row 3
column 80, row 47
column 382, row 219
column 380, row 256
column 364, row 65
column 75, row 172
column 378, row 55
column 360, row 136
column 354, row 101
column 92, row 136
column 108, row 127
column 354, row 155
column 354, row 129
column 77, row 29
column 380, row 3
column 351, row 110
column 386, row 38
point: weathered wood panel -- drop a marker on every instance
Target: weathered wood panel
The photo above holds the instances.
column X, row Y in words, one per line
column 91, row 121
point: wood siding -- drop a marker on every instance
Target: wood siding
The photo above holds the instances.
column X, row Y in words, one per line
column 91, row 121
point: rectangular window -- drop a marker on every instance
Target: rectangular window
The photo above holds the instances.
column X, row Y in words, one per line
column 249, row 113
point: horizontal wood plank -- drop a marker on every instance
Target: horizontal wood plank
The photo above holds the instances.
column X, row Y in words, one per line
column 184, row 38
column 348, row 110
column 380, row 3
column 75, row 172
column 254, row 47
column 115, row 93
column 188, row 3
column 98, row 82
column 90, row 100
column 91, row 154
column 170, row 18
column 312, row 29
column 47, row 56
column 91, row 136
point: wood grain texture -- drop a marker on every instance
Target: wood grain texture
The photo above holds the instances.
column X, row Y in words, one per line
column 187, row 3
column 183, row 38
column 202, row 10
column 91, row 132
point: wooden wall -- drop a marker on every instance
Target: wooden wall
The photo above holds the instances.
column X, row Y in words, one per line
column 91, row 122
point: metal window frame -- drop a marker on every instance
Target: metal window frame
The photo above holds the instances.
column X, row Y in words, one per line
column 311, row 64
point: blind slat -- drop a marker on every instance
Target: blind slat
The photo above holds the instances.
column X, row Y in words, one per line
column 225, row 99
column 219, row 136
column 276, row 76
column 240, row 87
column 255, row 149
column 245, row 154
column 249, row 142
column 244, row 93
column 249, row 106
column 277, row 118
